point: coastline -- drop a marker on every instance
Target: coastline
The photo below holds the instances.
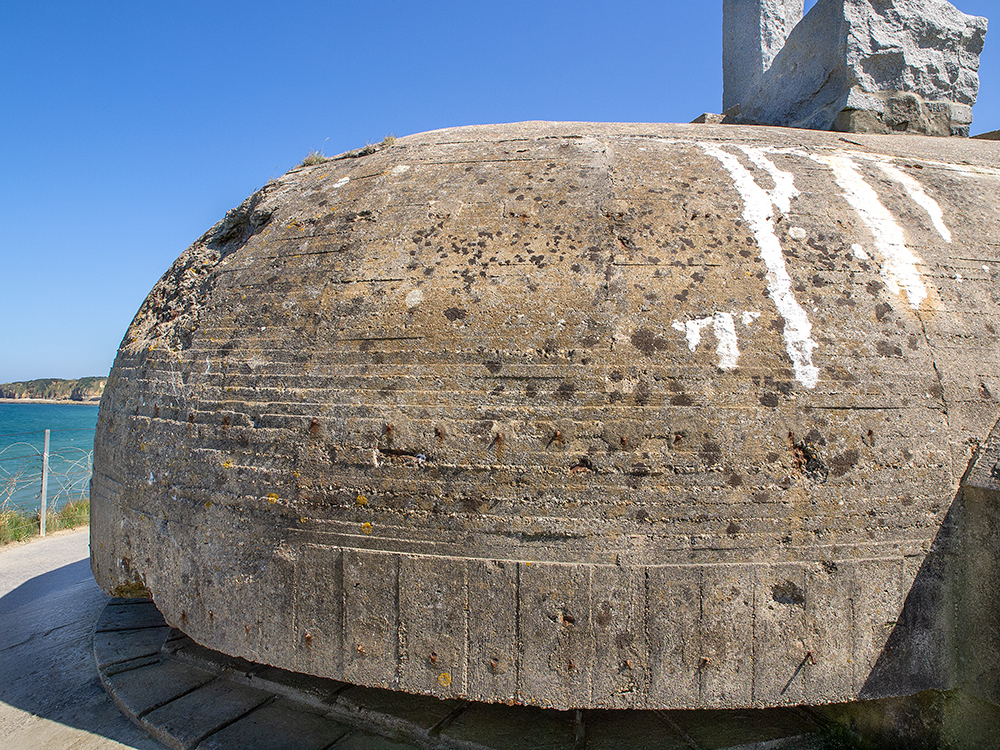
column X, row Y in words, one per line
column 47, row 401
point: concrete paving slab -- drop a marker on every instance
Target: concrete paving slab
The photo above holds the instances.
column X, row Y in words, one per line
column 315, row 691
column 116, row 647
column 133, row 616
column 193, row 653
column 365, row 741
column 513, row 728
column 718, row 730
column 635, row 730
column 139, row 691
column 395, row 708
column 281, row 725
column 185, row 722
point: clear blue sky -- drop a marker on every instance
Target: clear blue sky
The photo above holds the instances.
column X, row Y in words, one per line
column 129, row 127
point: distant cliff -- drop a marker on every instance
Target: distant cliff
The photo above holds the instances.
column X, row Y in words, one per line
column 55, row 389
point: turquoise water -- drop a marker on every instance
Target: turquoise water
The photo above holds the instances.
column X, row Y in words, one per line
column 71, row 446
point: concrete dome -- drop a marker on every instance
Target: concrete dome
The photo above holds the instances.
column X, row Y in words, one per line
column 566, row 414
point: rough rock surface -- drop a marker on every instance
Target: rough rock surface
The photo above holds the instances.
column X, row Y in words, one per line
column 55, row 389
column 753, row 33
column 569, row 414
column 908, row 65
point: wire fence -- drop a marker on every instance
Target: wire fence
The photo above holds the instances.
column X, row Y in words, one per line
column 36, row 482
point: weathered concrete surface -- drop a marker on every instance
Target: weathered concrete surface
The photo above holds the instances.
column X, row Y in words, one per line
column 753, row 33
column 577, row 415
column 50, row 696
column 874, row 66
column 191, row 696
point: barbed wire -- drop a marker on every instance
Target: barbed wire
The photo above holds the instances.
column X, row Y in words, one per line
column 70, row 469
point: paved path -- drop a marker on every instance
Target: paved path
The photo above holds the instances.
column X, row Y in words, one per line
column 50, row 694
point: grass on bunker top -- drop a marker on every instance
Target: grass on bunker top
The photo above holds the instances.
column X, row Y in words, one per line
column 17, row 526
column 317, row 157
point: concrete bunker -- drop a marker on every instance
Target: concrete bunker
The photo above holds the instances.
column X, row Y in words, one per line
column 580, row 416
column 674, row 422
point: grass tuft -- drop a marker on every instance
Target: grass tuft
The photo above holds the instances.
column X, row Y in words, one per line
column 370, row 148
column 312, row 159
column 17, row 525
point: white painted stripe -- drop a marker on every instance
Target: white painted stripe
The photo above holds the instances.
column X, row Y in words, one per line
column 918, row 194
column 899, row 269
column 758, row 212
column 784, row 182
column 725, row 334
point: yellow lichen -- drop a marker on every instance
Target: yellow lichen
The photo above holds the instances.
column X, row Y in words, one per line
column 366, row 527
column 133, row 590
column 444, row 679
column 272, row 498
column 362, row 501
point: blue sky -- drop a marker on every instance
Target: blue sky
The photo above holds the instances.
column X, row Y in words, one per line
column 128, row 128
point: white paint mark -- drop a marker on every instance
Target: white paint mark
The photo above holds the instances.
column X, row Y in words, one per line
column 401, row 169
column 758, row 212
column 414, row 298
column 797, row 233
column 692, row 330
column 958, row 278
column 900, row 267
column 208, row 365
column 341, row 182
column 151, row 478
column 725, row 334
column 784, row 182
column 859, row 252
column 919, row 196
column 749, row 318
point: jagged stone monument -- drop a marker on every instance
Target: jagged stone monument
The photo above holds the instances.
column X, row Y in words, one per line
column 870, row 66
column 753, row 33
column 583, row 415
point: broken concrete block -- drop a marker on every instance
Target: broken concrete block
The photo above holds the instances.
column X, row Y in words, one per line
column 874, row 66
column 753, row 33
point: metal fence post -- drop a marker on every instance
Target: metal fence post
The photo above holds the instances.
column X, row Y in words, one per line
column 45, row 484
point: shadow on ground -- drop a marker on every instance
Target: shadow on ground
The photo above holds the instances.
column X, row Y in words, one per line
column 51, row 695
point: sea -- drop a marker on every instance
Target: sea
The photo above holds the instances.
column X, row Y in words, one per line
column 71, row 452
